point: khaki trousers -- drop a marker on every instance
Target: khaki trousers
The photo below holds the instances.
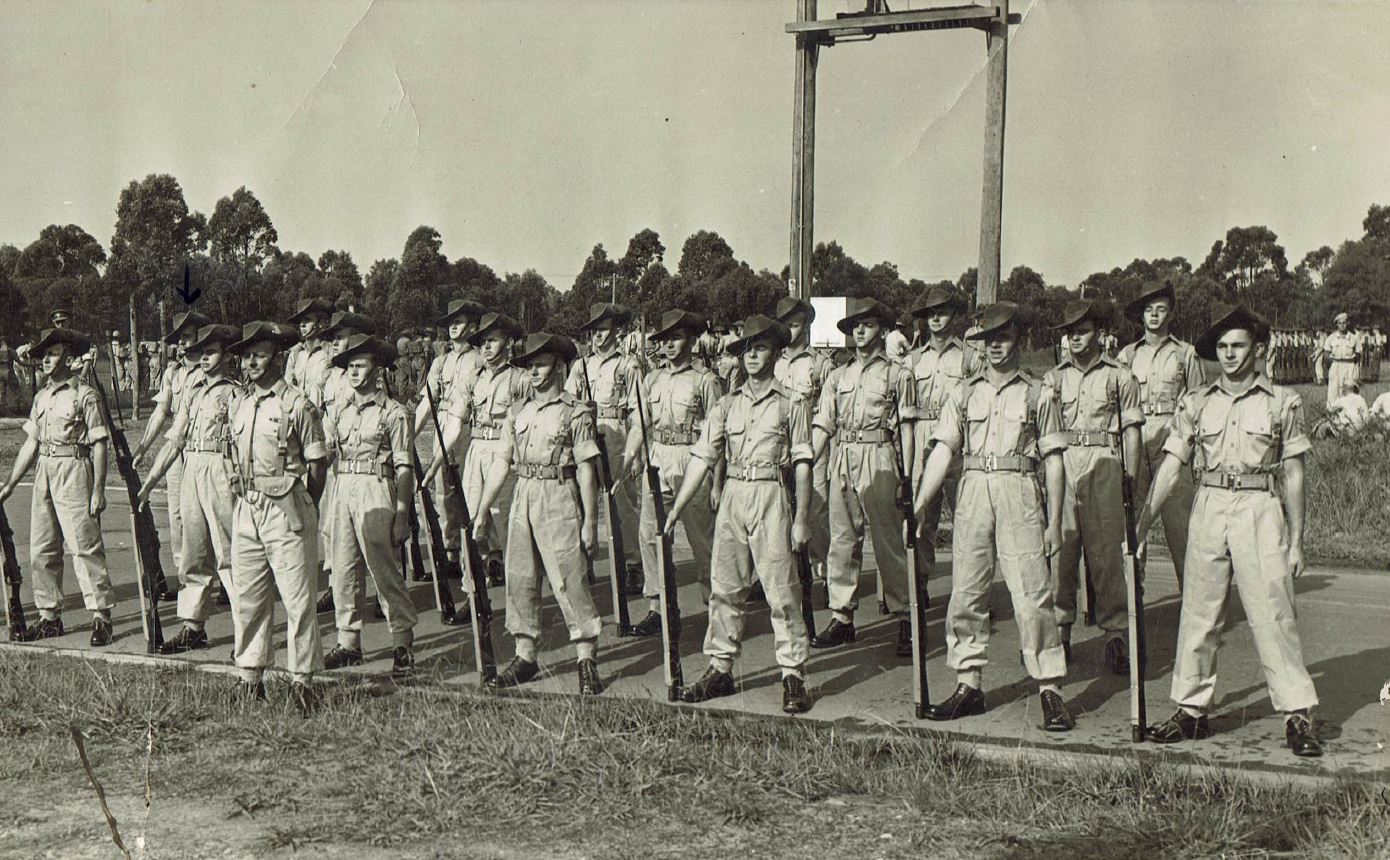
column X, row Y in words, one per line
column 697, row 518
column 58, row 512
column 863, row 496
column 1093, row 529
column 206, row 500
column 482, row 453
column 543, row 540
column 1176, row 512
column 360, row 527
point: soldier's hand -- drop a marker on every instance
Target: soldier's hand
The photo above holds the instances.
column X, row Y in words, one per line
column 142, row 499
column 588, row 536
column 1141, row 552
column 138, row 459
column 1296, row 563
column 716, row 494
column 1052, row 541
column 670, row 530
column 801, row 535
column 98, row 502
column 480, row 524
column 400, row 527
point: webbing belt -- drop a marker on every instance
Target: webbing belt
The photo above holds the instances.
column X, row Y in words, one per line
column 1159, row 407
column 542, row 471
column 49, row 449
column 865, row 436
column 360, row 467
column 739, row 471
column 1238, row 480
column 675, row 437
column 999, row 463
column 611, row 412
column 200, row 448
column 486, row 431
column 1090, row 438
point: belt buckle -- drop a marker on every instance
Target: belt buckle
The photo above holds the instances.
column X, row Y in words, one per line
column 1229, row 480
column 991, row 462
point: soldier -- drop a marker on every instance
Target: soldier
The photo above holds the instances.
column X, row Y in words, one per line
column 497, row 390
column 198, row 440
column 306, row 365
column 450, row 377
column 868, row 406
column 604, row 381
column 1092, row 388
column 676, row 399
column 1006, row 424
column 1239, row 433
column 760, row 431
column 278, row 457
column 1343, row 351
column 548, row 446
column 171, row 387
column 65, row 433
column 937, row 366
column 803, row 372
column 1166, row 369
column 368, row 440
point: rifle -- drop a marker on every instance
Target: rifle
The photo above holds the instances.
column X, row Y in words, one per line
column 14, row 609
column 149, row 572
column 616, row 556
column 475, row 579
column 417, row 572
column 802, row 559
column 917, row 598
column 442, row 567
column 670, row 606
column 1138, row 707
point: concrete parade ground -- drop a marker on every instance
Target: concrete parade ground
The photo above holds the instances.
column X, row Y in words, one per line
column 863, row 686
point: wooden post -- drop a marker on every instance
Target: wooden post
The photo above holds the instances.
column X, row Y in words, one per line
column 992, row 200
column 803, row 156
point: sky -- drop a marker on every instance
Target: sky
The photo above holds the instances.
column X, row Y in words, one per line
column 526, row 132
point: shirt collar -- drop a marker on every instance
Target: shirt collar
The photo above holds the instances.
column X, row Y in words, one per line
column 951, row 343
column 747, row 391
column 543, row 400
column 276, row 390
column 877, row 355
column 360, row 400
column 1261, row 381
column 1100, row 359
column 1017, row 376
column 791, row 353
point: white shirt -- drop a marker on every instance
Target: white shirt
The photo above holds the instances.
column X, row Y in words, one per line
column 1350, row 410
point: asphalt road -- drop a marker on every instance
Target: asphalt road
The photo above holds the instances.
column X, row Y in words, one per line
column 1342, row 618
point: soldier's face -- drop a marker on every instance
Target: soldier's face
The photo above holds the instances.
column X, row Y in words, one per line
column 1001, row 347
column 1236, row 352
column 54, row 357
column 187, row 339
column 494, row 346
column 360, row 371
column 460, row 328
column 1341, row 325
column 309, row 323
column 675, row 346
column 758, row 357
column 1157, row 313
column 796, row 324
column 866, row 332
column 1081, row 337
column 340, row 338
column 939, row 320
column 258, row 360
column 544, row 371
column 602, row 334
column 210, row 357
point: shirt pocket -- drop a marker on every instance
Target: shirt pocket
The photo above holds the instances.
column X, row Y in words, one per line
column 1258, row 429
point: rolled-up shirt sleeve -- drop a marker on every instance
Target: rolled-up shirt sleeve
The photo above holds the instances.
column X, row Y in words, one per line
column 1193, row 371
column 713, row 437
column 91, row 416
column 1296, row 441
column 398, row 436
column 1051, row 440
column 827, row 411
column 950, row 426
column 799, row 429
column 310, row 430
column 1131, row 414
column 583, row 435
column 1183, row 431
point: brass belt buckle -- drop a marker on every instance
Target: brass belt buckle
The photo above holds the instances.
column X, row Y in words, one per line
column 1231, row 480
column 991, row 462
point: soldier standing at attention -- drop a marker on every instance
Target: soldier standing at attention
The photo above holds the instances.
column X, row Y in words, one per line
column 938, row 366
column 1098, row 396
column 1166, row 369
column 278, row 457
column 1239, row 433
column 450, row 377
column 610, row 377
column 868, row 406
column 760, row 431
column 803, row 371
column 497, row 390
column 548, row 446
column 65, row 433
column 1006, row 424
column 307, row 361
column 676, row 399
column 199, row 438
column 171, row 388
column 368, row 438
column 1343, row 350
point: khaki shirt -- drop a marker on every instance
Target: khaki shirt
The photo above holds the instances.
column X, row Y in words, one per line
column 1088, row 395
column 771, row 430
column 676, row 400
column 171, row 383
column 373, row 427
column 611, row 376
column 452, row 373
column 204, row 415
column 1342, row 346
column 803, row 372
column 1253, row 431
column 497, row 391
column 867, row 395
column 1165, row 372
column 935, row 372
column 556, row 431
column 314, row 371
column 257, row 432
column 66, row 413
column 979, row 419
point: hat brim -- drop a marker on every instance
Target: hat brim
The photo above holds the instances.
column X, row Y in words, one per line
column 846, row 325
column 1134, row 308
column 689, row 326
column 739, row 346
column 282, row 342
column 566, row 354
column 800, row 307
column 385, row 355
column 203, row 343
column 471, row 310
column 507, row 328
column 1205, row 347
column 618, row 318
column 955, row 303
column 80, row 345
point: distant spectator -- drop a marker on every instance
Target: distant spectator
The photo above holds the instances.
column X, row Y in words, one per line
column 1346, row 416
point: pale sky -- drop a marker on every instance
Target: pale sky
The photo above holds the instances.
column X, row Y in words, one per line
column 527, row 132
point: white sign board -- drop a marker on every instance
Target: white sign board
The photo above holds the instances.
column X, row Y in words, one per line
column 829, row 310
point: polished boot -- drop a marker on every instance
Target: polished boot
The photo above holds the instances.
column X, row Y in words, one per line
column 101, row 632
column 649, row 626
column 496, row 574
column 1056, row 717
column 589, row 682
column 340, row 657
column 636, row 581
column 514, row 674
column 402, row 662
column 1117, row 656
column 1301, row 736
column 325, row 603
column 1182, row 726
column 713, row 684
column 966, row 701
column 836, row 633
column 904, row 646
column 795, row 698
column 44, row 628
column 187, row 639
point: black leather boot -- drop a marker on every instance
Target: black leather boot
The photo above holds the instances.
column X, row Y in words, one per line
column 186, row 639
column 496, row 574
column 44, row 628
column 904, row 646
column 713, row 684
column 304, row 698
column 1182, row 726
column 1056, row 717
column 649, row 626
column 514, row 674
column 340, row 657
column 1301, row 736
column 589, row 682
column 636, row 581
column 966, row 701
column 402, row 662
column 325, row 603
column 795, row 698
column 243, row 692
column 101, row 632
column 836, row 633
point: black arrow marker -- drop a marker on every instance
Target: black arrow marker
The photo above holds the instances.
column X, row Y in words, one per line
column 188, row 294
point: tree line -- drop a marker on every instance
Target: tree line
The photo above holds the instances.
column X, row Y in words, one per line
column 234, row 258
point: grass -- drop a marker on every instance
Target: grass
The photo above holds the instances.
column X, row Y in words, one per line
column 423, row 774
